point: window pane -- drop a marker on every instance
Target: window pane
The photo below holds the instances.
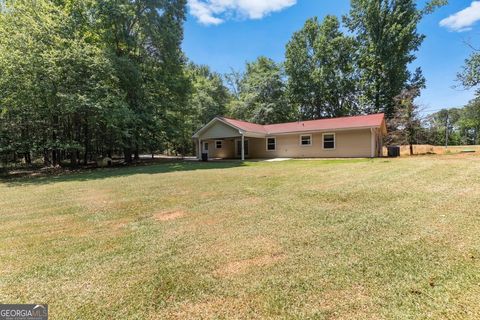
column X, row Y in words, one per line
column 329, row 141
column 306, row 140
column 219, row 144
column 329, row 145
column 271, row 144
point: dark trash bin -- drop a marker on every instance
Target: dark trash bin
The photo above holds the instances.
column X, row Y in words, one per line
column 393, row 151
column 204, row 156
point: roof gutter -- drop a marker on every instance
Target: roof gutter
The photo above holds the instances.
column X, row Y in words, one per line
column 322, row 130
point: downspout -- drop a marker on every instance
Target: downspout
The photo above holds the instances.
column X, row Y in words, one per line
column 243, row 146
column 372, row 143
column 199, row 150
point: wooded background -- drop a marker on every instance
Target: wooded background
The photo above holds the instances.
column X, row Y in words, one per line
column 86, row 79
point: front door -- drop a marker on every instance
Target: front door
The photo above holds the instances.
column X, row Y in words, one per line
column 205, row 147
column 239, row 148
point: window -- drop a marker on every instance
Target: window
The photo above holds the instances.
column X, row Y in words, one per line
column 329, row 141
column 205, row 146
column 218, row 144
column 271, row 144
column 306, row 140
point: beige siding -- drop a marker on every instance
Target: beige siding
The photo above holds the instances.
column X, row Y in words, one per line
column 355, row 143
column 351, row 143
column 217, row 130
column 226, row 152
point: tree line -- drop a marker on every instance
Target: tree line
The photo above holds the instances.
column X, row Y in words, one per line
column 86, row 79
column 90, row 78
column 454, row 126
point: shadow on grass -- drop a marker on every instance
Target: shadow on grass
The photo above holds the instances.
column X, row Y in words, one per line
column 96, row 174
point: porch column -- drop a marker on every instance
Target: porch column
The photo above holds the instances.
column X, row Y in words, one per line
column 243, row 147
column 199, row 153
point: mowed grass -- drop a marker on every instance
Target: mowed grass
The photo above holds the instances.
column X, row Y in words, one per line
column 339, row 239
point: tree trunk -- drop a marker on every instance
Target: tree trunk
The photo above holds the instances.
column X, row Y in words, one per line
column 85, row 143
column 28, row 158
column 411, row 149
column 54, row 157
column 137, row 153
column 73, row 158
column 127, row 155
column 46, row 160
column 55, row 154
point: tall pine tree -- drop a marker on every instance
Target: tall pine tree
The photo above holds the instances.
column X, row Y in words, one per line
column 387, row 36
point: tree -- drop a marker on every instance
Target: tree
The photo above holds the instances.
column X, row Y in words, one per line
column 470, row 75
column 387, row 35
column 320, row 64
column 83, row 79
column 144, row 38
column 55, row 76
column 262, row 94
column 469, row 122
column 233, row 80
column 406, row 121
column 209, row 98
column 452, row 123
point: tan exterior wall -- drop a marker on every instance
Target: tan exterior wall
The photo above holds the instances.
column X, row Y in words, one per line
column 355, row 143
column 226, row 152
column 219, row 129
column 348, row 144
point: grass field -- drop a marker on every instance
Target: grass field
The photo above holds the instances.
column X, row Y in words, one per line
column 338, row 239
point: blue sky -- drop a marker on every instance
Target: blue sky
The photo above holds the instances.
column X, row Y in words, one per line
column 224, row 34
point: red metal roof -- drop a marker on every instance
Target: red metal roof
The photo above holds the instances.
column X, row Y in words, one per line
column 364, row 121
column 244, row 125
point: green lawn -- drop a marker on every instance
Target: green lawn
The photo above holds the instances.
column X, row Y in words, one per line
column 340, row 239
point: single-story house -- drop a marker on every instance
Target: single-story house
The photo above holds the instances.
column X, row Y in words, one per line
column 356, row 136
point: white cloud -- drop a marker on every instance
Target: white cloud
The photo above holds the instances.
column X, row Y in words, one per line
column 463, row 20
column 217, row 11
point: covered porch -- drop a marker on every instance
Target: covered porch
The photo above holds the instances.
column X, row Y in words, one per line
column 241, row 147
column 219, row 139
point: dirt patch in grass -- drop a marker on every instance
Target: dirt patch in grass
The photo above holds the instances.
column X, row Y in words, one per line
column 167, row 216
column 116, row 227
column 216, row 307
column 95, row 200
column 351, row 303
column 243, row 266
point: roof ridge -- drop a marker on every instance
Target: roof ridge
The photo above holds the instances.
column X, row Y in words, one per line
column 333, row 118
column 295, row 126
column 310, row 120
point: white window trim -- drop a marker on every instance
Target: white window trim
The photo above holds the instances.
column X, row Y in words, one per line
column 266, row 143
column 221, row 144
column 334, row 140
column 306, row 145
